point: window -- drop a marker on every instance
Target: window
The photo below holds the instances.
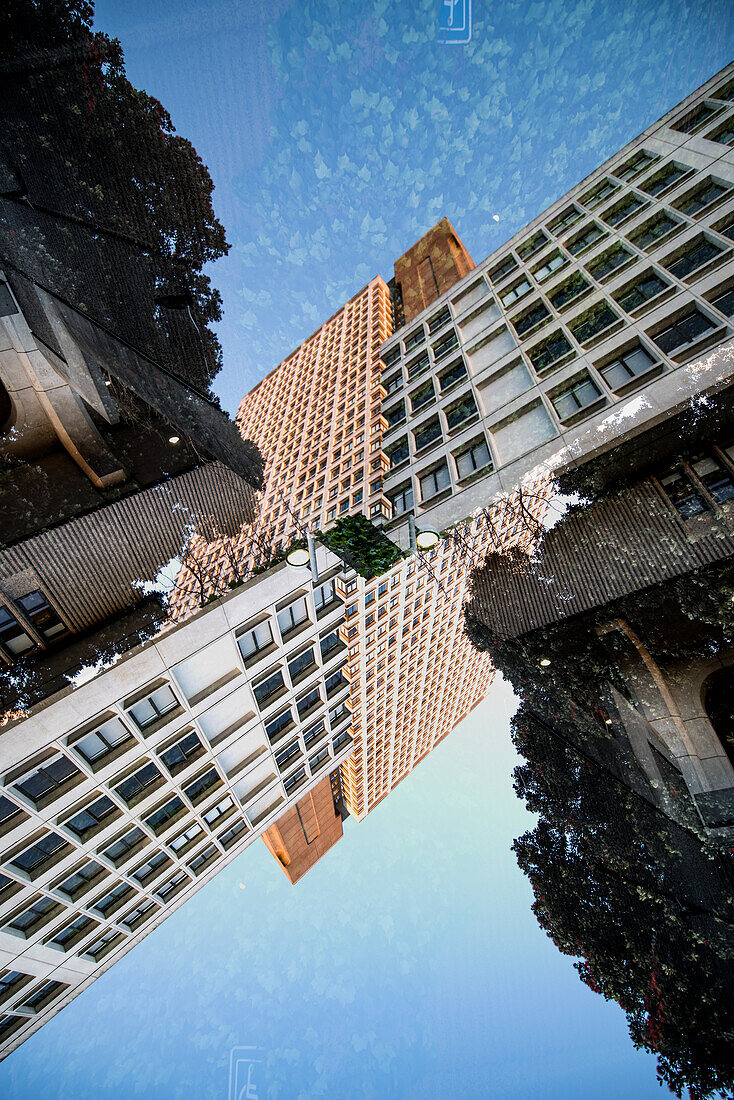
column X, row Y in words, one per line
column 460, row 412
column 452, row 375
column 395, row 415
column 335, row 682
column 32, row 859
column 44, row 782
column 255, row 640
column 42, row 615
column 530, row 318
column 392, row 385
column 34, row 916
column 715, row 479
column 532, row 245
column 416, row 366
column 591, row 324
column 439, row 320
column 477, row 457
column 329, row 643
column 599, row 193
column 121, row 848
column 633, row 363
column 196, row 790
column 435, row 482
column 81, row 880
column 635, row 165
column 114, row 899
column 684, row 332
column 324, row 595
column 301, row 664
column 228, row 838
column 641, row 291
column 414, row 339
column 138, row 915
column 503, row 269
column 401, row 499
column 683, row 495
column 702, row 196
column 104, row 742
column 724, row 135
column 161, row 817
column 269, row 687
column 696, row 118
column 91, row 817
column 179, row 755
column 576, row 397
column 154, row 707
column 291, row 617
column 173, row 885
column 287, row 756
column 565, row 220
column 648, row 235
column 568, row 291
column 585, row 239
column 626, row 208
column 295, row 780
column 320, row 758
column 48, row 992
column 74, row 932
column 515, row 292
column 151, row 867
column 339, row 712
column 550, row 352
column 186, row 838
column 554, row 263
column 610, row 261
column 398, row 452
column 391, row 355
column 12, row 634
column 695, row 255
column 667, row 177
column 211, row 817
column 427, row 433
column 138, row 784
column 445, row 345
column 422, row 396
column 11, row 981
column 724, row 303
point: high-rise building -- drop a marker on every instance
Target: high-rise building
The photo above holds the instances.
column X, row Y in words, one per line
column 123, row 794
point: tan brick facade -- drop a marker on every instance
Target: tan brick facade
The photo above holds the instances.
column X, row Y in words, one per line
column 431, row 267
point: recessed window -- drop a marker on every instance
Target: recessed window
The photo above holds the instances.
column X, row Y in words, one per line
column 445, row 345
column 585, row 239
column 474, row 458
column 154, row 707
column 422, row 396
column 391, row 356
column 592, row 324
column 610, row 261
column 180, row 754
column 418, row 365
column 724, row 303
column 568, row 291
column 550, row 353
column 439, row 320
column 435, row 482
column 395, row 415
column 324, row 595
column 308, row 702
column 161, row 817
column 401, row 499
column 724, row 135
column 530, row 318
column 8, row 811
column 43, row 996
column 452, row 375
column 716, row 480
column 138, row 784
column 398, row 453
column 564, row 221
column 139, row 915
column 626, row 208
column 81, row 880
column 291, row 617
column 599, row 193
column 667, row 177
column 47, row 780
column 277, row 727
column 642, row 291
column 301, row 664
column 13, row 635
column 112, row 901
column 532, row 245
column 121, row 848
column 91, row 817
column 104, row 742
column 684, row 332
column 287, row 756
column 392, row 385
column 201, row 785
column 576, row 398
column 636, row 165
column 168, row 889
column 43, row 851
column 414, row 339
column 427, row 433
column 11, row 981
column 42, row 615
column 515, row 292
column 549, row 267
column 269, row 687
column 694, row 256
column 329, row 643
column 461, row 411
column 647, row 236
column 35, row 916
column 220, row 811
column 72, row 933
column 503, row 269
column 152, row 867
column 695, row 119
column 632, row 364
column 701, row 197
column 185, row 839
column 683, row 494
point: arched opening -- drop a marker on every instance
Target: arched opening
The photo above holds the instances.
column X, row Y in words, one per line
column 719, row 705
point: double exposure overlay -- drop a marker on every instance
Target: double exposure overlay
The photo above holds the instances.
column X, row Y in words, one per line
column 216, row 630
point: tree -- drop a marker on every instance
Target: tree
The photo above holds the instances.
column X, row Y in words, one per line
column 102, row 201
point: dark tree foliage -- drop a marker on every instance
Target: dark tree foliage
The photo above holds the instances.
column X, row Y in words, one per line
column 362, row 545
column 638, row 900
column 101, row 201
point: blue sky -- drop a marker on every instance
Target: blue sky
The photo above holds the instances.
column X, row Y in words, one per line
column 337, row 133
column 406, row 964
